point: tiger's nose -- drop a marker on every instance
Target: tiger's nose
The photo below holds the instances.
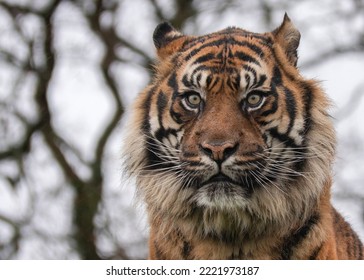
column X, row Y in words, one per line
column 219, row 151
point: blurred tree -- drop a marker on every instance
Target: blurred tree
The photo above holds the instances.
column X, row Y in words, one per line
column 57, row 198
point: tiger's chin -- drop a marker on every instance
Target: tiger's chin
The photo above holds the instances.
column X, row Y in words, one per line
column 222, row 196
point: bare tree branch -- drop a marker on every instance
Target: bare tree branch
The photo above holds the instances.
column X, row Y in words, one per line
column 352, row 104
column 185, row 9
column 158, row 11
column 325, row 56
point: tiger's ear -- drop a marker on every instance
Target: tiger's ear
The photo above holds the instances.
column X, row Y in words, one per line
column 288, row 37
column 167, row 40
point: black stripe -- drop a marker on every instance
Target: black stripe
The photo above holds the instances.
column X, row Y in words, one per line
column 213, row 70
column 146, row 108
column 204, row 58
column 264, row 123
column 172, row 82
column 154, row 161
column 297, row 237
column 236, row 82
column 192, row 53
column 246, row 57
column 186, row 250
column 186, row 82
column 274, row 103
column 200, row 68
column 161, row 105
column 208, row 81
column 177, row 117
column 272, row 110
column 152, row 150
column 284, row 138
column 220, row 41
column 262, row 78
column 164, row 133
column 254, row 47
column 198, row 79
column 250, row 69
column 277, row 76
column 291, row 108
column 282, row 65
column 307, row 99
column 247, row 79
column 275, row 82
column 247, row 76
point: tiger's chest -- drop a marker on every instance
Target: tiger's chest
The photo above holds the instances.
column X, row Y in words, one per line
column 176, row 245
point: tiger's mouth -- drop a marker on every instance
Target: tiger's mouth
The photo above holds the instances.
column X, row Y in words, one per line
column 220, row 179
column 222, row 192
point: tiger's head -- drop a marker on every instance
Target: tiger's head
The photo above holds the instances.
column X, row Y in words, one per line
column 228, row 125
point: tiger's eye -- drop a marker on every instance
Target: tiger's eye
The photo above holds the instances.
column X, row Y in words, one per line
column 254, row 100
column 194, row 100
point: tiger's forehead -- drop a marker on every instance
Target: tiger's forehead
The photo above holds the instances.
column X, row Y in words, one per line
column 231, row 58
column 231, row 38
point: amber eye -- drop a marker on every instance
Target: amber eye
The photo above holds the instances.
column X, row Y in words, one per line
column 193, row 100
column 254, row 100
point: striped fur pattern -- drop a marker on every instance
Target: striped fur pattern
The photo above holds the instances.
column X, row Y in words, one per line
column 232, row 150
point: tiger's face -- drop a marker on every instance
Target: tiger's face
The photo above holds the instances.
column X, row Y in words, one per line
column 234, row 134
column 227, row 122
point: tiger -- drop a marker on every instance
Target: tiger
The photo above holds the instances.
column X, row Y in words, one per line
column 231, row 151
